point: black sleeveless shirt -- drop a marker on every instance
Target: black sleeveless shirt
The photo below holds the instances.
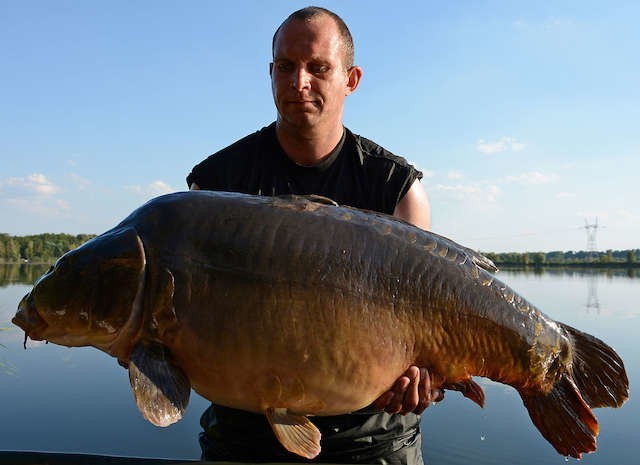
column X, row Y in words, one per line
column 358, row 173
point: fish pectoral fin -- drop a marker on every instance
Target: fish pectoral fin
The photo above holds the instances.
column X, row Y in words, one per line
column 295, row 432
column 470, row 389
column 163, row 315
column 160, row 389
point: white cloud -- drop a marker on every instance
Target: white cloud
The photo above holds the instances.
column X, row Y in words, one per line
column 80, row 182
column 553, row 22
column 550, row 23
column 160, row 187
column 469, row 192
column 519, row 23
column 565, row 195
column 42, row 207
column 505, row 144
column 427, row 174
column 35, row 195
column 34, row 184
column 152, row 189
column 532, row 178
column 453, row 175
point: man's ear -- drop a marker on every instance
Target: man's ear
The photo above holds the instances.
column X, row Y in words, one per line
column 271, row 69
column 354, row 74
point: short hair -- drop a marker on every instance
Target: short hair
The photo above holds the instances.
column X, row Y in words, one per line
column 312, row 12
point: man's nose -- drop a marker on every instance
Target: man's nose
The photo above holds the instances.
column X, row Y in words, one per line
column 300, row 79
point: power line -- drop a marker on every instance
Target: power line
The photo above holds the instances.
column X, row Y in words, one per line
column 525, row 234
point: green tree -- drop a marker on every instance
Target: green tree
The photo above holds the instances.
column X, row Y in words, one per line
column 12, row 252
column 26, row 248
column 539, row 259
column 631, row 257
column 3, row 248
column 607, row 257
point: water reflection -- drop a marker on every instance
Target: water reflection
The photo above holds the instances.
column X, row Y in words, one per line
column 27, row 273
column 593, row 303
column 577, row 272
column 23, row 273
column 590, row 275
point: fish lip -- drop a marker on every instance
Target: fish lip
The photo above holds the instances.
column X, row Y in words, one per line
column 29, row 320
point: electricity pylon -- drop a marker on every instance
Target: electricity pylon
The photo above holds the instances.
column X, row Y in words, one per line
column 591, row 229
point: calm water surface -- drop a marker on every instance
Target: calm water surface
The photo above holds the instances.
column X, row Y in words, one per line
column 79, row 400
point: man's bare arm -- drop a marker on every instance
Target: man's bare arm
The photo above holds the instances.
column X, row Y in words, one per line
column 414, row 207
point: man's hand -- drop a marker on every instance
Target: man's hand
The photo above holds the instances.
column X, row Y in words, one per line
column 412, row 392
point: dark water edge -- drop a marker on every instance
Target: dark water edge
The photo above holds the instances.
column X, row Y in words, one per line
column 28, row 273
column 607, row 271
column 21, row 273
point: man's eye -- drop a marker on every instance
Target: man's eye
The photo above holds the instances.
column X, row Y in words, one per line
column 283, row 67
column 318, row 69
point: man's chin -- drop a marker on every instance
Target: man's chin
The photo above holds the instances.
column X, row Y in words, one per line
column 299, row 121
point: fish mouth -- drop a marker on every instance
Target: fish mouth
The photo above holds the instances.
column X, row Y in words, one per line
column 28, row 319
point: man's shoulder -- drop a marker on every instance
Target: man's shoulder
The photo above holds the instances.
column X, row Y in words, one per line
column 372, row 152
column 247, row 146
column 228, row 165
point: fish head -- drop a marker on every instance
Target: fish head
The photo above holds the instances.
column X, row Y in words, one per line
column 88, row 295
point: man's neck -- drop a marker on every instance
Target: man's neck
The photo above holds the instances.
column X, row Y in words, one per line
column 308, row 148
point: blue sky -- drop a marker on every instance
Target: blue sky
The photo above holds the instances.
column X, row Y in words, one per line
column 523, row 116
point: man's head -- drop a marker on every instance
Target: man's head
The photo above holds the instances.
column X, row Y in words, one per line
column 310, row 12
column 312, row 70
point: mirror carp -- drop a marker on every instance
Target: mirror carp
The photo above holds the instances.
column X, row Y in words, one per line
column 294, row 307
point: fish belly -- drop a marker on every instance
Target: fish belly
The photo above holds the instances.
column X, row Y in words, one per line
column 313, row 352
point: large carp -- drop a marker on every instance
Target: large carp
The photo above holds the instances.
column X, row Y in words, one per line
column 294, row 307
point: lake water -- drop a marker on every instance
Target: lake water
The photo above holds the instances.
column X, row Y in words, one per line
column 79, row 400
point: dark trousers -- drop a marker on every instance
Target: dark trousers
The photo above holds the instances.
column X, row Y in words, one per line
column 232, row 435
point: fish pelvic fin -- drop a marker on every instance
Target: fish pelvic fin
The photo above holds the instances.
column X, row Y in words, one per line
column 296, row 433
column 469, row 389
column 563, row 418
column 161, row 390
column 598, row 371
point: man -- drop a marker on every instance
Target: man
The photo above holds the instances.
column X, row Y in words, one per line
column 309, row 151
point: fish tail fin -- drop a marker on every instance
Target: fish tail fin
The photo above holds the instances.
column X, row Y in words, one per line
column 563, row 418
column 598, row 371
column 595, row 378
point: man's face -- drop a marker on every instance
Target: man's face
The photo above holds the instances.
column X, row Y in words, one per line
column 308, row 75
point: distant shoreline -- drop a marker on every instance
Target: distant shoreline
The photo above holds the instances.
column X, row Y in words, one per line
column 44, row 249
column 500, row 264
column 621, row 265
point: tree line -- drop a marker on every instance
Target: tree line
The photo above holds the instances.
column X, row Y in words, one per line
column 46, row 248
column 571, row 258
column 38, row 248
